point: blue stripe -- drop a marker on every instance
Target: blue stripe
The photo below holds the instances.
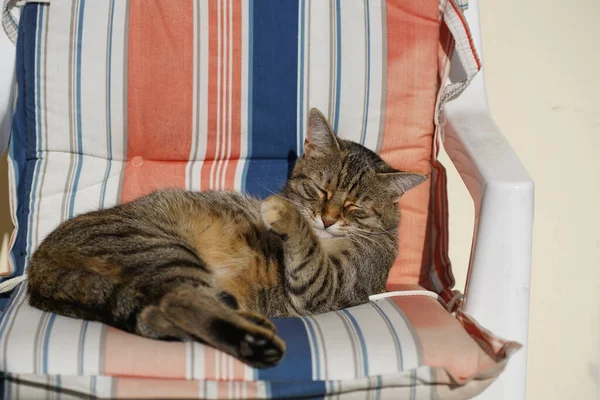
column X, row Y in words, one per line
column 296, row 364
column 379, row 385
column 361, row 340
column 368, row 90
column 82, row 347
column 108, row 103
column 38, row 130
column 45, row 345
column 395, row 335
column 250, row 92
column 23, row 136
column 8, row 390
column 78, row 108
column 338, row 77
column 301, row 88
column 296, row 389
column 274, row 95
column 58, row 385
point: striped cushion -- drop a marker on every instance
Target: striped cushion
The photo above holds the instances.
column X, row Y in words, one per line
column 120, row 98
column 116, row 99
column 411, row 342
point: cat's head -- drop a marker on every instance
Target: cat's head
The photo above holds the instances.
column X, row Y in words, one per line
column 343, row 188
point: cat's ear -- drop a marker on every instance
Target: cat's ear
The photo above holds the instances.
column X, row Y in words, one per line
column 400, row 182
column 320, row 138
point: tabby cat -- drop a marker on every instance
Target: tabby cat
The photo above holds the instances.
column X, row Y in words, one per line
column 212, row 266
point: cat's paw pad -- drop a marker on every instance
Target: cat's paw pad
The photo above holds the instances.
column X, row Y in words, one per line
column 277, row 214
column 261, row 351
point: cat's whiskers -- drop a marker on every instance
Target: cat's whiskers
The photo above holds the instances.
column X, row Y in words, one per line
column 366, row 237
column 380, row 232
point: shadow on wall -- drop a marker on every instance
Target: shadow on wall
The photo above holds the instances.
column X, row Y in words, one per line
column 6, row 225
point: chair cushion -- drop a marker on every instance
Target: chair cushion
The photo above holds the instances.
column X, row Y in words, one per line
column 117, row 99
column 407, row 341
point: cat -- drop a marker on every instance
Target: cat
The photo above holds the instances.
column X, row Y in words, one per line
column 214, row 266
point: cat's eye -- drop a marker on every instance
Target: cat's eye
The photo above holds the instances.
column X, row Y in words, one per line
column 323, row 194
column 350, row 206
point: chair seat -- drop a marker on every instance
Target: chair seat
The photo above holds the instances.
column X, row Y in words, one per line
column 401, row 344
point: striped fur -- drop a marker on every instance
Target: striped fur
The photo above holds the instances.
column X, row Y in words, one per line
column 210, row 266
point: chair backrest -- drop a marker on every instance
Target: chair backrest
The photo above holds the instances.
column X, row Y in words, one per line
column 117, row 99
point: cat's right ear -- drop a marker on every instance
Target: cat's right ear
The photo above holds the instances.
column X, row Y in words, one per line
column 320, row 137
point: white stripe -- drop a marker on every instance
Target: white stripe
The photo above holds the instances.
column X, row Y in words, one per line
column 63, row 346
column 189, row 177
column 93, row 82
column 219, row 84
column 376, row 74
column 199, row 371
column 202, row 101
column 375, row 331
column 91, row 349
column 410, row 355
column 319, row 59
column 352, row 79
column 224, row 88
column 19, row 345
column 340, row 358
column 404, row 293
column 118, row 84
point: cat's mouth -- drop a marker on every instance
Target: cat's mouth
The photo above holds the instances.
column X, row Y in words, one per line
column 323, row 234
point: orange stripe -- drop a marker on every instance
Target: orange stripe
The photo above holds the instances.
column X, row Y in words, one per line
column 213, row 88
column 130, row 355
column 127, row 388
column 224, row 93
column 210, row 370
column 251, row 390
column 159, row 95
column 236, row 95
column 412, row 67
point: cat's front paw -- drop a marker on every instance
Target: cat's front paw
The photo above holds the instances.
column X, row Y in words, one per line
column 277, row 214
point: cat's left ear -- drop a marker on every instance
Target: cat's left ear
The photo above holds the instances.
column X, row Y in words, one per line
column 320, row 137
column 400, row 182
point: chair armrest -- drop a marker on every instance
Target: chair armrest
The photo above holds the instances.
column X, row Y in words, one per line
column 497, row 289
column 498, row 281
column 7, row 75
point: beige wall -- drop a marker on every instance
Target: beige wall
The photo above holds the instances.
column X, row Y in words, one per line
column 542, row 59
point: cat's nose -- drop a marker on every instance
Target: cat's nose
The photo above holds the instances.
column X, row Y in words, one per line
column 327, row 222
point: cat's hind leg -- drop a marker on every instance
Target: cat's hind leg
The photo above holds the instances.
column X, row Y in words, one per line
column 195, row 314
column 204, row 317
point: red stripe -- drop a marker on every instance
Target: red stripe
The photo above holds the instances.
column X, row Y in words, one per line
column 467, row 33
column 159, row 95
